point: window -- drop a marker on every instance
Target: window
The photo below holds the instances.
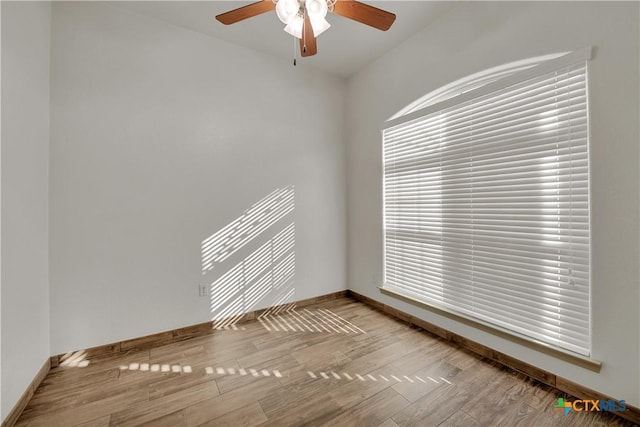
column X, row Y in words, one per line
column 486, row 203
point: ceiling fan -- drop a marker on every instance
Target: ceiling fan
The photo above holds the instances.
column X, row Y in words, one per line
column 305, row 19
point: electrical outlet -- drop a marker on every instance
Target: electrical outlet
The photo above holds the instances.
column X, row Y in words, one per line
column 202, row 290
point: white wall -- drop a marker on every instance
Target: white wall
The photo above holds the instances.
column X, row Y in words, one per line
column 476, row 36
column 161, row 137
column 25, row 195
column 1, row 413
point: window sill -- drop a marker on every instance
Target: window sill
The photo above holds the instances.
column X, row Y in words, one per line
column 567, row 356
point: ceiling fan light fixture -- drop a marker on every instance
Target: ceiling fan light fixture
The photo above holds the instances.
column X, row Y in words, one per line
column 306, row 19
column 316, row 9
column 287, row 10
column 319, row 26
column 294, row 27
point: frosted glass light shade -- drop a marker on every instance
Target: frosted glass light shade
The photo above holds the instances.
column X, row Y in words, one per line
column 294, row 27
column 287, row 10
column 316, row 9
column 319, row 26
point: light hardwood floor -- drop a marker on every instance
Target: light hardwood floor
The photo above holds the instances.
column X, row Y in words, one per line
column 346, row 365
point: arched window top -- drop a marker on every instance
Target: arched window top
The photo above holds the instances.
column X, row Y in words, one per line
column 473, row 81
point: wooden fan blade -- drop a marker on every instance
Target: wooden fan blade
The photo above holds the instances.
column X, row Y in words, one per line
column 365, row 14
column 308, row 46
column 248, row 11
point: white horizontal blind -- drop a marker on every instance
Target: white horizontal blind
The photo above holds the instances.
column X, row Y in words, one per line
column 486, row 208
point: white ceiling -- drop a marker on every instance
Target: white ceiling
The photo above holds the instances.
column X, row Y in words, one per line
column 342, row 50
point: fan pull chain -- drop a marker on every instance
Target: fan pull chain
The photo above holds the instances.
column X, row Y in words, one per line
column 294, row 51
column 304, row 32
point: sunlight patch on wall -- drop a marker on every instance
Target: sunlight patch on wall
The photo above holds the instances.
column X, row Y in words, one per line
column 265, row 275
column 263, row 214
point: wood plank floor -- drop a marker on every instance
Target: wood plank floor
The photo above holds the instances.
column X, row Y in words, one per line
column 339, row 363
